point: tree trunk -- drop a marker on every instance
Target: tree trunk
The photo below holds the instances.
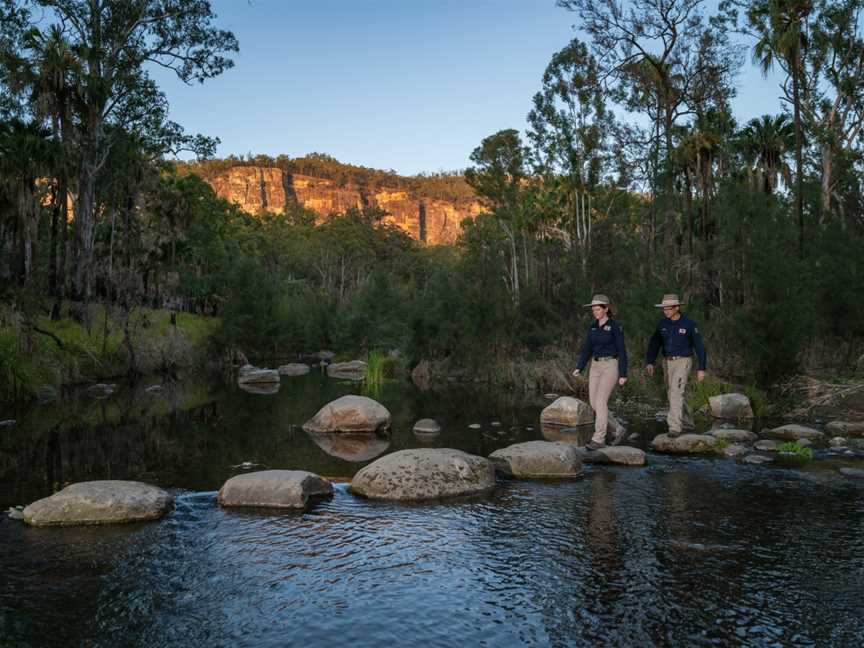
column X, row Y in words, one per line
column 84, row 231
column 827, row 177
column 799, row 165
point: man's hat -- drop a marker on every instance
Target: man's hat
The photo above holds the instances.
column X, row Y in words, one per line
column 599, row 300
column 669, row 300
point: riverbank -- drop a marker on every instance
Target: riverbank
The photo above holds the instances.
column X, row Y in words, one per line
column 39, row 357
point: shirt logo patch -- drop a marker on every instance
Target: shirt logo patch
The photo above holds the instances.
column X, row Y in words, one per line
column 607, row 328
column 682, row 331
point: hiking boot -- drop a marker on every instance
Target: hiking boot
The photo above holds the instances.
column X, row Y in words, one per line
column 673, row 433
column 593, row 445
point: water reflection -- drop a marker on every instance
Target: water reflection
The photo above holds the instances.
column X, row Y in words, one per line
column 351, row 447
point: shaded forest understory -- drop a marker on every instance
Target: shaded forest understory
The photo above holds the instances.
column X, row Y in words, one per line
column 757, row 224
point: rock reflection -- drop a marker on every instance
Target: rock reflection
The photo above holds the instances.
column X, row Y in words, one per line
column 264, row 389
column 354, row 447
column 575, row 435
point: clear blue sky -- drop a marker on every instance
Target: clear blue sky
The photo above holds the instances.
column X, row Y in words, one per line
column 409, row 85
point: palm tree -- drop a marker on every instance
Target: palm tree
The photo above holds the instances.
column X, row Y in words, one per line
column 765, row 142
column 780, row 25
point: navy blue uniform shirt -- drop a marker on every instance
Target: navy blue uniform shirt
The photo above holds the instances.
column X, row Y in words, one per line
column 604, row 342
column 677, row 338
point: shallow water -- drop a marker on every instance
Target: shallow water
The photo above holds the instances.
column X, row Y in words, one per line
column 687, row 551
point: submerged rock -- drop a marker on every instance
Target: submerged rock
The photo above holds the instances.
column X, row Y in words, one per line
column 730, row 406
column 757, row 459
column 793, row 432
column 620, row 455
column 846, row 428
column 538, row 459
column 294, row 369
column 100, row 502
column 261, row 388
column 837, row 442
column 249, row 375
column 46, row 393
column 427, row 426
column 424, row 474
column 567, row 411
column 350, row 414
column 291, row 489
column 353, row 370
column 735, row 450
column 684, row 444
column 734, row 436
column 351, row 446
column 154, row 389
column 16, row 513
column 854, row 473
column 101, row 390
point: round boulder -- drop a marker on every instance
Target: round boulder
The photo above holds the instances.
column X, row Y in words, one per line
column 730, row 406
column 426, row 426
column 538, row 459
column 424, row 474
column 100, row 502
column 684, row 444
column 350, row 414
column 734, row 436
column 793, row 432
column 293, row 369
column 284, row 489
column 567, row 411
column 846, row 428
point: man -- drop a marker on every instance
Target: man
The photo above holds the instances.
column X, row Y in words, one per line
column 680, row 338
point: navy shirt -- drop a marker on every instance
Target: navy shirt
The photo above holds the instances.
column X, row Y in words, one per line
column 604, row 342
column 677, row 338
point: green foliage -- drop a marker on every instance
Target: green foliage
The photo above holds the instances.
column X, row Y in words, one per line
column 796, row 449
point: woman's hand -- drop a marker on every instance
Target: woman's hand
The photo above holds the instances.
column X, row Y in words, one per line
column 622, row 381
column 576, row 373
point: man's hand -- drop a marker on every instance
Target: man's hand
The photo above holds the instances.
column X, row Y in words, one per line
column 622, row 381
column 649, row 369
column 576, row 373
column 700, row 375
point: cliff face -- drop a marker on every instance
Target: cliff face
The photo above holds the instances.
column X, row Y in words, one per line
column 270, row 189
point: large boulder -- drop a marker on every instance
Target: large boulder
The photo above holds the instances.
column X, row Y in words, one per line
column 100, row 502
column 793, row 432
column 734, row 436
column 730, row 406
column 538, row 459
column 350, row 414
column 293, row 369
column 251, row 375
column 684, row 444
column 351, row 446
column 620, row 455
column 567, row 411
column 424, row 474
column 285, row 489
column 846, row 428
column 354, row 370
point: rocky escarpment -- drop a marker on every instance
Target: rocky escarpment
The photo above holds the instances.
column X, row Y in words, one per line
column 257, row 189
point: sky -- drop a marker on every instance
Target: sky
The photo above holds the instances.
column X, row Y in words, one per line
column 408, row 85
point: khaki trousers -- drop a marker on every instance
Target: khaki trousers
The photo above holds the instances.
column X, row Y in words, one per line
column 601, row 381
column 677, row 372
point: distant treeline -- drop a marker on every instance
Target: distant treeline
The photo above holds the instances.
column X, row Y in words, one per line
column 438, row 186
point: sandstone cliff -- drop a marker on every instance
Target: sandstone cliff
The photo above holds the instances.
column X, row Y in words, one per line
column 256, row 188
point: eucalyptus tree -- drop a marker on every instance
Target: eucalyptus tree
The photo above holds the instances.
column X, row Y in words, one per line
column 499, row 177
column 571, row 123
column 116, row 41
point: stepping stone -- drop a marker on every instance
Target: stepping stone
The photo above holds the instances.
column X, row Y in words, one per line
column 766, row 445
column 846, row 428
column 100, row 502
column 424, row 474
column 283, row 489
column 793, row 432
column 730, row 406
column 619, row 455
column 684, row 444
column 538, row 459
column 294, row 369
column 734, row 436
column 350, row 414
column 427, row 426
column 568, row 412
column 757, row 459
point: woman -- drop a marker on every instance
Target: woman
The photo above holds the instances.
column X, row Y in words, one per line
column 604, row 344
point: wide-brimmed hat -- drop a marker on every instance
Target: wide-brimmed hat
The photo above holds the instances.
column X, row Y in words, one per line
column 669, row 300
column 599, row 300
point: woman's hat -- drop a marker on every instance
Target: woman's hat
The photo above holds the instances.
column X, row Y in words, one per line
column 599, row 300
column 669, row 300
